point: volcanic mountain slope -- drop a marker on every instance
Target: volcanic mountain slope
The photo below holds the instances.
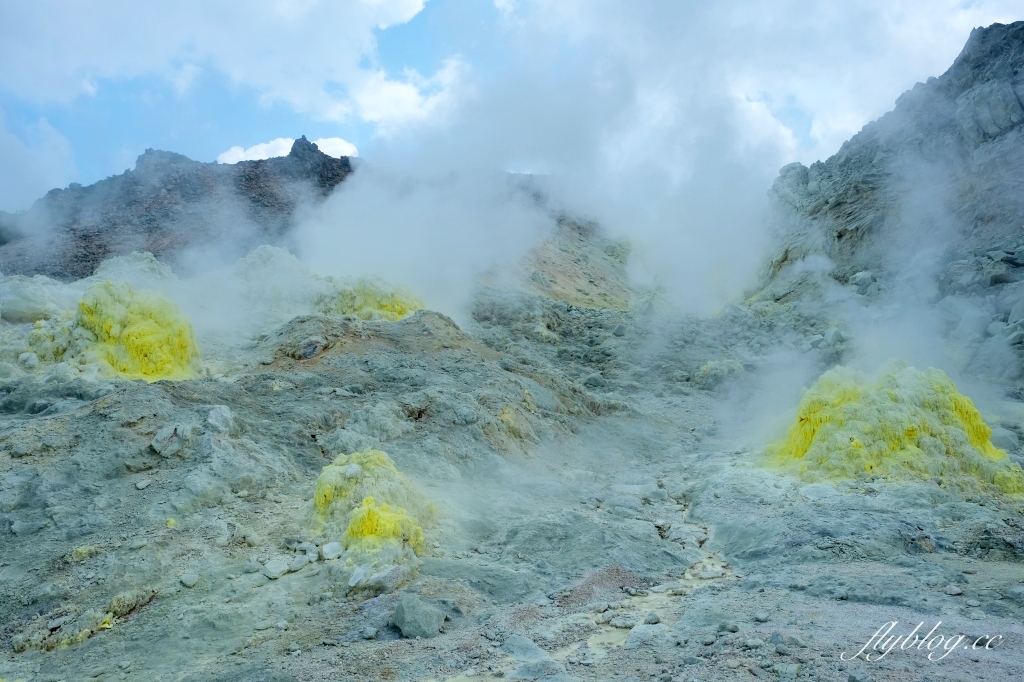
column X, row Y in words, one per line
column 944, row 164
column 925, row 205
column 558, row 490
column 166, row 204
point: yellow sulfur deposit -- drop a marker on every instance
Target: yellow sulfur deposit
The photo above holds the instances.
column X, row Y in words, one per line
column 142, row 335
column 84, row 552
column 368, row 298
column 366, row 495
column 138, row 334
column 373, row 524
column 83, row 627
column 908, row 424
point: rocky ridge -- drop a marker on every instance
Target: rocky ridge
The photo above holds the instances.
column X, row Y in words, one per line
column 167, row 204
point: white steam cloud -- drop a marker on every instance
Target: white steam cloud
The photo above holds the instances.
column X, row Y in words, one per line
column 432, row 233
column 332, row 146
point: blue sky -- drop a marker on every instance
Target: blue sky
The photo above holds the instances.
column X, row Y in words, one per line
column 110, row 128
column 567, row 86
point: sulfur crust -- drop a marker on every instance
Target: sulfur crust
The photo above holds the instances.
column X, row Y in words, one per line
column 374, row 524
column 908, row 424
column 369, row 298
column 137, row 334
column 142, row 335
column 87, row 625
column 374, row 502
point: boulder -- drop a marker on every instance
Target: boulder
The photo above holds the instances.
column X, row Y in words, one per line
column 416, row 618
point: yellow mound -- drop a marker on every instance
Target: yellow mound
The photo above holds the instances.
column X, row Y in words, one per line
column 908, row 424
column 374, row 524
column 139, row 335
column 369, row 299
column 142, row 335
column 376, row 504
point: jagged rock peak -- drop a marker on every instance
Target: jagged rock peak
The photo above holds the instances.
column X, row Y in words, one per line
column 943, row 159
column 304, row 149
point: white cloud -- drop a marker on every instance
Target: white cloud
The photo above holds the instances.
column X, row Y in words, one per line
column 305, row 53
column 32, row 167
column 395, row 105
column 506, row 7
column 393, row 12
column 336, row 147
column 266, row 150
column 332, row 146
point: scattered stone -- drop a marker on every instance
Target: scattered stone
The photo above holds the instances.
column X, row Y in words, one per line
column 169, row 440
column 727, row 626
column 299, row 563
column 220, row 419
column 264, row 624
column 275, row 568
column 620, row 330
column 253, row 567
column 973, row 602
column 859, row 676
column 708, row 640
column 415, row 618
column 22, row 449
column 622, row 621
column 251, row 537
column 332, row 550
column 545, row 669
column 761, row 616
column 599, row 607
column 787, row 671
column 1016, row 313
column 644, row 634
column 57, row 622
column 139, row 543
column 386, row 580
column 143, row 484
column 189, row 579
column 281, row 624
column 369, row 632
column 594, row 380
column 523, row 649
column 358, row 575
column 652, row 618
column 28, row 527
column 732, row 663
column 753, row 643
column 953, row 590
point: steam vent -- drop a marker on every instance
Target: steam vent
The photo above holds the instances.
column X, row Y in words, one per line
column 553, row 385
